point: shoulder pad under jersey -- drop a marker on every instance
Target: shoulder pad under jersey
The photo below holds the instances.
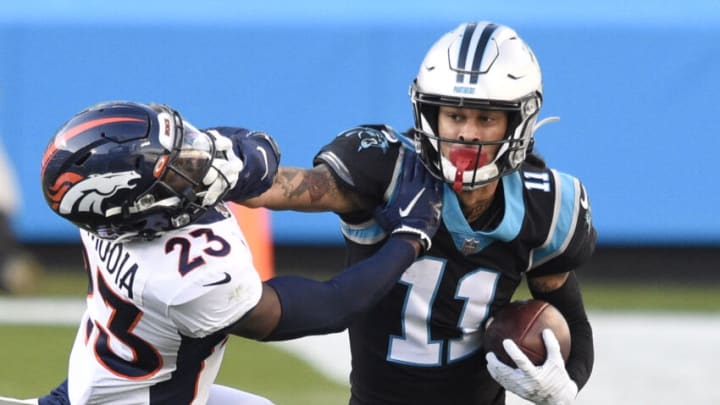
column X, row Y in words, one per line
column 362, row 157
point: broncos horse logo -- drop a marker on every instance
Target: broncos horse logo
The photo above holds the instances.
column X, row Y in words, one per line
column 71, row 192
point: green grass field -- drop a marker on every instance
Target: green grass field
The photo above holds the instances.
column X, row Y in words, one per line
column 35, row 357
column 35, row 360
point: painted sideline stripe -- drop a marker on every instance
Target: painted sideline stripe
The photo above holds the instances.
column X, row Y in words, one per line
column 41, row 310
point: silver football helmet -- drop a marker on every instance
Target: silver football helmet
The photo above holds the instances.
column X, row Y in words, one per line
column 485, row 66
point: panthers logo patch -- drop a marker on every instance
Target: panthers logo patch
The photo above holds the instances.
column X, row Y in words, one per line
column 371, row 138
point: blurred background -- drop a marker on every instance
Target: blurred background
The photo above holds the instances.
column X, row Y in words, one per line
column 634, row 83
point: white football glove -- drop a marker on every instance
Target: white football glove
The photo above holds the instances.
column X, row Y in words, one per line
column 224, row 171
column 548, row 384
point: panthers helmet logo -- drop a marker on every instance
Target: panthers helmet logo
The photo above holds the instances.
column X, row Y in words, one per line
column 73, row 193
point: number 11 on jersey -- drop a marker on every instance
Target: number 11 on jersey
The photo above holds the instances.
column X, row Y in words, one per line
column 415, row 346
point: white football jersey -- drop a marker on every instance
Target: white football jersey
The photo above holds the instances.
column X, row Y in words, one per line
column 152, row 332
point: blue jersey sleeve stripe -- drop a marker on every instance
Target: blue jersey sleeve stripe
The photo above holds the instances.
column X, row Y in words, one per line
column 366, row 233
column 510, row 227
column 564, row 219
column 407, row 142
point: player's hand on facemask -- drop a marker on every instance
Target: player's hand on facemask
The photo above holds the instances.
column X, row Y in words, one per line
column 244, row 166
column 415, row 208
column 548, row 384
column 224, row 171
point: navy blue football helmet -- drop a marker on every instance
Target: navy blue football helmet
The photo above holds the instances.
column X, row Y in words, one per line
column 125, row 170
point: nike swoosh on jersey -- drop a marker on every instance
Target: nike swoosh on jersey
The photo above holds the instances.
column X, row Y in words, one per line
column 405, row 212
column 226, row 279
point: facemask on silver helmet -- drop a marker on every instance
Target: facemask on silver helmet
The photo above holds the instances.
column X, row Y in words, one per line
column 483, row 66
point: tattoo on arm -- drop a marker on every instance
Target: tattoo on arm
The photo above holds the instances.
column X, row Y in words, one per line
column 316, row 189
column 295, row 183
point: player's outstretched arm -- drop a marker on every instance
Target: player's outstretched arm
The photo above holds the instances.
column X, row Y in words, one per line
column 311, row 190
column 292, row 306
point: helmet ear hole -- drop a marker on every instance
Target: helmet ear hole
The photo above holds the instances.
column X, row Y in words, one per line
column 430, row 113
column 138, row 163
column 82, row 159
column 514, row 119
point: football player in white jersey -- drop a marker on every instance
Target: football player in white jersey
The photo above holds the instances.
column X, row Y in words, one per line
column 170, row 273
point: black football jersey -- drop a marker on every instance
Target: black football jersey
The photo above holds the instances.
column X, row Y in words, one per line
column 422, row 344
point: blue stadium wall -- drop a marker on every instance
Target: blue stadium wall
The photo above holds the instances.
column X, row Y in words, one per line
column 636, row 85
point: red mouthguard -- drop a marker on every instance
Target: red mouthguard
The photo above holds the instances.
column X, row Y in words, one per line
column 463, row 159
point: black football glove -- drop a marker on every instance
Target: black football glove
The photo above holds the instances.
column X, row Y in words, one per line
column 415, row 208
column 244, row 166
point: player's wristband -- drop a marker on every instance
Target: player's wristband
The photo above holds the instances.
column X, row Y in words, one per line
column 424, row 239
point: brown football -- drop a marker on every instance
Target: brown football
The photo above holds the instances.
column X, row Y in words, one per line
column 523, row 322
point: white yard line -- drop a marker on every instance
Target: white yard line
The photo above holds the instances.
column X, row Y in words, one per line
column 41, row 311
column 640, row 358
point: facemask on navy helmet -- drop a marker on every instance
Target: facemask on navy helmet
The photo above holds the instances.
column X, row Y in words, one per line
column 484, row 66
column 126, row 170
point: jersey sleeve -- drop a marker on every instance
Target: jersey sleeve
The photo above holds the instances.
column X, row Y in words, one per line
column 363, row 159
column 571, row 237
column 218, row 306
column 219, row 293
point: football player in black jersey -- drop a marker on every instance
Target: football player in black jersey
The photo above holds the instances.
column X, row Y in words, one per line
column 505, row 216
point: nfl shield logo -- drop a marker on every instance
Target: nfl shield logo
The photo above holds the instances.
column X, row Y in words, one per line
column 470, row 246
